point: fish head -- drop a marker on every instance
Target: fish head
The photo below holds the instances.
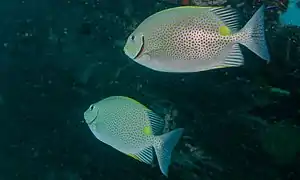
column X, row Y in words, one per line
column 137, row 50
column 145, row 45
column 90, row 115
column 134, row 46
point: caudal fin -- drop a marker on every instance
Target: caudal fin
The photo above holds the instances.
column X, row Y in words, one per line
column 164, row 148
column 254, row 30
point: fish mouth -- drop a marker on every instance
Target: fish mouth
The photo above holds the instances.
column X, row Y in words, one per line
column 142, row 48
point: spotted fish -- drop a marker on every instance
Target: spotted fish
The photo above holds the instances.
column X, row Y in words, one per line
column 193, row 38
column 133, row 129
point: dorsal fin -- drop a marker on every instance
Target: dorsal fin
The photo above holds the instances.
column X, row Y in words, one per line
column 157, row 123
column 228, row 16
column 132, row 100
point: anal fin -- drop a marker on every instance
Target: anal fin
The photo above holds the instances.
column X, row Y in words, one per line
column 146, row 155
column 235, row 57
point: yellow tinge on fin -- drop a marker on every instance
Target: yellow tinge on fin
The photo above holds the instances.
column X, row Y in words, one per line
column 135, row 101
column 220, row 66
column 147, row 130
column 224, row 31
column 134, row 157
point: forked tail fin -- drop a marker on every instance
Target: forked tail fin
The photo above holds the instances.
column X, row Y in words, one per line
column 164, row 148
column 254, row 30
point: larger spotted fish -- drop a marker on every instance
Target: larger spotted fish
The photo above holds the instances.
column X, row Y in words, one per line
column 133, row 129
column 193, row 38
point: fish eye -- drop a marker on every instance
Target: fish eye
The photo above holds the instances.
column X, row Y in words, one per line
column 92, row 107
column 132, row 37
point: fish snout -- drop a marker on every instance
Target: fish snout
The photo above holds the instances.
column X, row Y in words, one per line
column 90, row 114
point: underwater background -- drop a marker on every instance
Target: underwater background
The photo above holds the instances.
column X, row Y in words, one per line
column 59, row 56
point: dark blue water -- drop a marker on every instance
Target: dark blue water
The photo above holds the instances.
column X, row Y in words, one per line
column 58, row 56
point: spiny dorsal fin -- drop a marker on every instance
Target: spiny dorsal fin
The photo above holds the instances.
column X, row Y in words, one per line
column 229, row 17
column 157, row 123
column 145, row 155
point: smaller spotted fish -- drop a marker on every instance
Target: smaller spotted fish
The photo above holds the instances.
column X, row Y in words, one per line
column 133, row 129
column 194, row 38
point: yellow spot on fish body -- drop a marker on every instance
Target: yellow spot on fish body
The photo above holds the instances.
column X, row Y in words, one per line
column 224, row 31
column 147, row 130
column 134, row 157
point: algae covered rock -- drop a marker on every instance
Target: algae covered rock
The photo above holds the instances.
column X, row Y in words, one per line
column 282, row 142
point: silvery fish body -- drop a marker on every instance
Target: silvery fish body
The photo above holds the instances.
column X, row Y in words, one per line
column 133, row 129
column 193, row 38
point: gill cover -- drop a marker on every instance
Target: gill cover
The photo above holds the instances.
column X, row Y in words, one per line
column 91, row 114
column 134, row 45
